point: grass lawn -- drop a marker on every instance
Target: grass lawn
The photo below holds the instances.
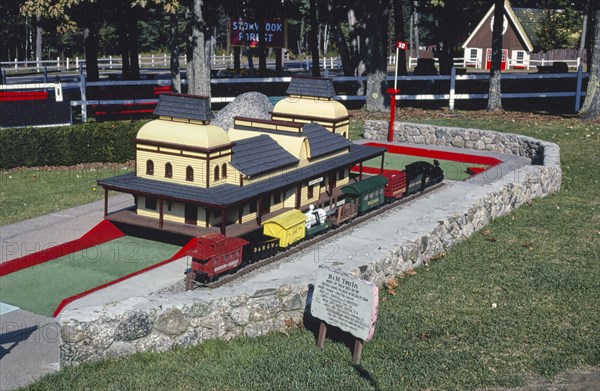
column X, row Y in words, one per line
column 518, row 299
column 31, row 192
column 41, row 288
column 456, row 171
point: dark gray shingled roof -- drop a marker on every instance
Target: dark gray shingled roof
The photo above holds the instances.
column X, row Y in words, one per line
column 321, row 140
column 184, row 106
column 531, row 19
column 225, row 195
column 311, row 86
column 260, row 154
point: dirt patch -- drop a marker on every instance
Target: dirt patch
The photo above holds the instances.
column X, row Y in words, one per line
column 580, row 379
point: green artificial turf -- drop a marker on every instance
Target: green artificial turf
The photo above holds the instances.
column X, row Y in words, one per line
column 519, row 299
column 456, row 171
column 41, row 288
column 31, row 192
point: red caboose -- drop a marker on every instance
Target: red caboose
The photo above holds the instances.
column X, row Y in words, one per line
column 396, row 186
column 215, row 254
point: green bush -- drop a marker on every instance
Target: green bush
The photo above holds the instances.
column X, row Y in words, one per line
column 68, row 145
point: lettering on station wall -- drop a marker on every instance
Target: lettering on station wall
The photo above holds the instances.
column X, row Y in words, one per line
column 246, row 32
column 344, row 301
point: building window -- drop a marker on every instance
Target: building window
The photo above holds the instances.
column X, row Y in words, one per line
column 276, row 197
column 310, row 191
column 217, row 173
column 341, row 174
column 224, row 170
column 169, row 206
column 150, row 203
column 253, row 206
column 189, row 174
column 149, row 167
column 168, row 170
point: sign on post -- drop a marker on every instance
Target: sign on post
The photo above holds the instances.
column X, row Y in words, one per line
column 401, row 45
column 244, row 32
column 344, row 301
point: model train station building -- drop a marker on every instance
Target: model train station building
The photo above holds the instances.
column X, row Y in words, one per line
column 194, row 178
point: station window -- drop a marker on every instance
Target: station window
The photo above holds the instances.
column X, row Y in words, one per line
column 217, row 171
column 253, row 206
column 311, row 191
column 341, row 174
column 149, row 167
column 224, row 170
column 189, row 174
column 168, row 170
column 150, row 203
column 276, row 197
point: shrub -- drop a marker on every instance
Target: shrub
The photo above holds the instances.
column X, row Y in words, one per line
column 68, row 145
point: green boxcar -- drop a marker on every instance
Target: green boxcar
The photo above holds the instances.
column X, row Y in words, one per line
column 368, row 192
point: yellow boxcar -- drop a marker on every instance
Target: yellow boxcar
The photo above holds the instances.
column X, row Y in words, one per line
column 288, row 227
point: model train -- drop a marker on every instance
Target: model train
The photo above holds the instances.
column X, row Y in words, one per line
column 218, row 254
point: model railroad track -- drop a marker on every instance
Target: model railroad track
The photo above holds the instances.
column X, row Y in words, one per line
column 225, row 279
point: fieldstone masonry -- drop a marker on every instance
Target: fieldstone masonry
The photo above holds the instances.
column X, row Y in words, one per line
column 161, row 322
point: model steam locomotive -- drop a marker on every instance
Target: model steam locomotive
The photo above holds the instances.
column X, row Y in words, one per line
column 218, row 254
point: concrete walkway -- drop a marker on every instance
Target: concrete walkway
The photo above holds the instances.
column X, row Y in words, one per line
column 29, row 342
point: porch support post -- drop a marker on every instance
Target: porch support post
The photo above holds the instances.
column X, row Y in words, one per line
column 298, row 195
column 223, row 222
column 360, row 165
column 381, row 169
column 105, row 202
column 160, row 213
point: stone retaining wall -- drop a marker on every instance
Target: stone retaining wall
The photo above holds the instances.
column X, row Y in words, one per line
column 159, row 323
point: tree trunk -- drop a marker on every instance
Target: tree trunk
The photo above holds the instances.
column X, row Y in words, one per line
column 132, row 45
column 314, row 40
column 399, row 35
column 38, row 38
column 262, row 45
column 449, row 20
column 174, row 48
column 90, row 42
column 376, row 14
column 124, row 48
column 591, row 105
column 237, row 53
column 199, row 66
column 494, row 97
column 340, row 40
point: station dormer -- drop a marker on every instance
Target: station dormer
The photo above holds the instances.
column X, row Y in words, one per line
column 182, row 146
column 310, row 99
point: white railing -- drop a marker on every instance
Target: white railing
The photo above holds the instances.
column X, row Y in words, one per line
column 451, row 96
column 158, row 61
column 477, row 64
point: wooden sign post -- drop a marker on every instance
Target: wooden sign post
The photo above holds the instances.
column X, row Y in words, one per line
column 347, row 302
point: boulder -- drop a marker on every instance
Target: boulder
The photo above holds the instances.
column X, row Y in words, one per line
column 249, row 104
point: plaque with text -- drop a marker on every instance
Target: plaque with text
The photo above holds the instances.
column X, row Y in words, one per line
column 342, row 300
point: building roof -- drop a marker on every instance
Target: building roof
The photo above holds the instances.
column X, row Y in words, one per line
column 190, row 107
column 322, row 141
column 190, row 135
column 531, row 19
column 515, row 22
column 228, row 194
column 311, row 86
column 260, row 154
